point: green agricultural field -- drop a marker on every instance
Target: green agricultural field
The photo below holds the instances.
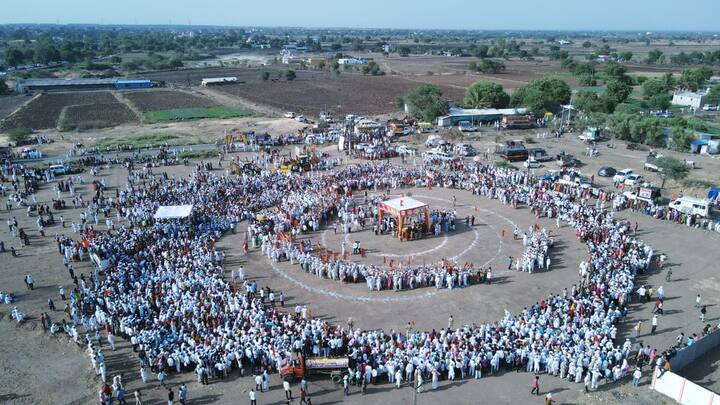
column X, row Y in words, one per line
column 177, row 114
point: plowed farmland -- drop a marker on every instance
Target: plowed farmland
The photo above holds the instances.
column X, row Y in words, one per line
column 97, row 116
column 343, row 94
column 44, row 111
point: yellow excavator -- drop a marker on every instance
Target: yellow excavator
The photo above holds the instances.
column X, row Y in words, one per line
column 300, row 164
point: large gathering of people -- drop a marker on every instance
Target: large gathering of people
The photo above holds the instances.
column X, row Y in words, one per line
column 159, row 284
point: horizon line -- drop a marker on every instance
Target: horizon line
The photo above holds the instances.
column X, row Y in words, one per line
column 191, row 25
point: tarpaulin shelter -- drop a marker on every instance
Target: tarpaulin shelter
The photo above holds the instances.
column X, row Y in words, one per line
column 404, row 207
column 173, row 211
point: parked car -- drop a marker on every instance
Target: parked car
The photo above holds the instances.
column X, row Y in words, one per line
column 692, row 206
column 406, row 150
column 633, row 180
column 620, row 176
column 433, row 141
column 539, row 154
column 606, row 171
column 466, row 126
column 300, row 118
column 289, row 114
column 531, row 163
column 711, row 107
column 437, row 155
column 463, row 149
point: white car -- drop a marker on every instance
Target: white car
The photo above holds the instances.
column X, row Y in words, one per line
column 464, row 149
column 289, row 114
column 300, row 118
column 433, row 141
column 437, row 155
column 622, row 175
column 531, row 164
column 406, row 150
column 633, row 180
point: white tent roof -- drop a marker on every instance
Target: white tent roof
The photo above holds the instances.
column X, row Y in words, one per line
column 404, row 203
column 173, row 211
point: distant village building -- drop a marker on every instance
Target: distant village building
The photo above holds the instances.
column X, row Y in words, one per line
column 389, row 48
column 352, row 61
column 689, row 99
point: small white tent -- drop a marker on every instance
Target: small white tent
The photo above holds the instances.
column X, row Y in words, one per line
column 173, row 211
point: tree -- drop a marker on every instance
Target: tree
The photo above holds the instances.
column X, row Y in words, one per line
column 655, row 57
column 265, row 75
column 589, row 102
column 659, row 102
column 672, row 169
column 290, row 75
column 617, row 91
column 14, row 57
column 694, row 79
column 625, row 56
column 484, row 94
column 372, row 68
column 491, row 66
column 543, row 95
column 587, row 44
column 19, row 135
column 427, row 102
column 403, row 51
column 713, row 96
column 654, row 87
column 4, row 89
column 473, row 67
column 679, row 139
column 616, row 71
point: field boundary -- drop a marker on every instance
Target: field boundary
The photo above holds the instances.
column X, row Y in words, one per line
column 192, row 113
column 129, row 104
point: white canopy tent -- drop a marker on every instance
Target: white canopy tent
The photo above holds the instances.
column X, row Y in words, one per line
column 173, row 211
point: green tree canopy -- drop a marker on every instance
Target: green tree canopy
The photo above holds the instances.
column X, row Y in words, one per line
column 671, row 169
column 543, row 95
column 4, row 89
column 589, row 102
column 427, row 102
column 484, row 94
column 617, row 91
column 290, row 74
column 654, row 87
column 491, row 66
column 695, row 78
column 713, row 96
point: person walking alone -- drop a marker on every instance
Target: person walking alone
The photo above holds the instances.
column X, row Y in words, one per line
column 535, row 386
column 654, row 324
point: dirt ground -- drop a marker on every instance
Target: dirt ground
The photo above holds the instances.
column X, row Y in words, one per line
column 49, row 359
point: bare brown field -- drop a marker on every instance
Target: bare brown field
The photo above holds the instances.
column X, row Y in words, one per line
column 344, row 93
column 97, row 115
column 44, row 111
column 9, row 104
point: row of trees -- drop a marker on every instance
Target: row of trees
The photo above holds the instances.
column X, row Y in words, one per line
column 540, row 96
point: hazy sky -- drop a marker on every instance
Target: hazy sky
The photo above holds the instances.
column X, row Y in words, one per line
column 451, row 14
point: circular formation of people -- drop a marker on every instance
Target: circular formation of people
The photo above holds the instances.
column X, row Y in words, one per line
column 160, row 283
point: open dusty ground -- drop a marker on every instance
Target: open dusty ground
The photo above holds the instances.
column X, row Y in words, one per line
column 334, row 301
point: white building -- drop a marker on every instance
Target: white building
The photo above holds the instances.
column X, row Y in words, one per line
column 351, row 61
column 688, row 99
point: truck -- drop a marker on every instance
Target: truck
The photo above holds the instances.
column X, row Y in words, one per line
column 591, row 134
column 466, row 126
column 297, row 366
column 518, row 121
column 539, row 154
column 691, row 206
